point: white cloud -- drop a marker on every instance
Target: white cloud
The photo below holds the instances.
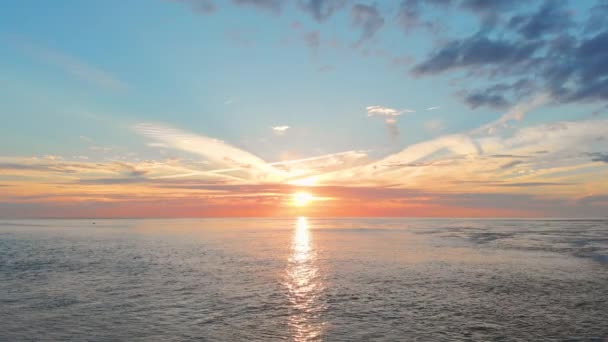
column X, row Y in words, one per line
column 216, row 151
column 280, row 130
column 390, row 117
column 386, row 111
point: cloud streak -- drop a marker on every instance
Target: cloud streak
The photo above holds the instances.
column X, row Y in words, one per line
column 74, row 66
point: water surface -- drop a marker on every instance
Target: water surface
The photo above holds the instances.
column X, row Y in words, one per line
column 303, row 280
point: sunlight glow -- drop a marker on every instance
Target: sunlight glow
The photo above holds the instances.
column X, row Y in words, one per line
column 301, row 199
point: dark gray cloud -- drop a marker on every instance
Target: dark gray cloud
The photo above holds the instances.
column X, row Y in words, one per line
column 589, row 69
column 497, row 96
column 598, row 156
column 320, row 10
column 199, row 6
column 550, row 18
column 439, row 2
column 486, row 99
column 368, row 19
column 477, row 51
column 267, row 5
column 568, row 68
column 209, row 6
column 490, row 11
column 490, row 6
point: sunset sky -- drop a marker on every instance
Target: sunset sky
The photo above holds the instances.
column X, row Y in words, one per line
column 185, row 108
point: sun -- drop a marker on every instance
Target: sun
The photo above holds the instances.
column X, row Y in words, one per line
column 301, row 199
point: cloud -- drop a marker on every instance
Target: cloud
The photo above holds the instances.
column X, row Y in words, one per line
column 199, row 6
column 516, row 113
column 215, row 151
column 492, row 11
column 312, row 40
column 598, row 156
column 236, row 164
column 74, row 66
column 390, row 117
column 368, row 19
column 433, row 108
column 321, row 10
column 551, row 18
column 386, row 111
column 486, row 174
column 543, row 50
column 266, row 5
column 597, row 18
column 409, row 15
column 280, row 130
column 487, row 98
column 476, row 51
column 497, row 96
column 511, row 164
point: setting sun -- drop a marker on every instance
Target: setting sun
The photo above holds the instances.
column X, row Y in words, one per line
column 301, row 199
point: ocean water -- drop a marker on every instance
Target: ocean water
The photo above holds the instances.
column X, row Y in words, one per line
column 304, row 279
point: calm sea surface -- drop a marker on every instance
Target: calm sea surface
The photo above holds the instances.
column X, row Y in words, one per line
column 303, row 280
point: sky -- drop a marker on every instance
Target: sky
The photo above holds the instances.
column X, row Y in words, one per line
column 196, row 108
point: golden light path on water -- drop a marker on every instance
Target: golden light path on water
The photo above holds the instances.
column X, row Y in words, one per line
column 304, row 286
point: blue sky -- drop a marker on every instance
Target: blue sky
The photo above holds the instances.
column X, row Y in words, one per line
column 78, row 77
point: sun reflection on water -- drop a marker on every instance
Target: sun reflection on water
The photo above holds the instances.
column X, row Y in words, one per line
column 304, row 286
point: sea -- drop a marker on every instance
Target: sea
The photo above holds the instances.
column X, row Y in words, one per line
column 304, row 279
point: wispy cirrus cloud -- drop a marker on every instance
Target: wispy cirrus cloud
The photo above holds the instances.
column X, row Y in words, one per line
column 72, row 65
column 214, row 150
